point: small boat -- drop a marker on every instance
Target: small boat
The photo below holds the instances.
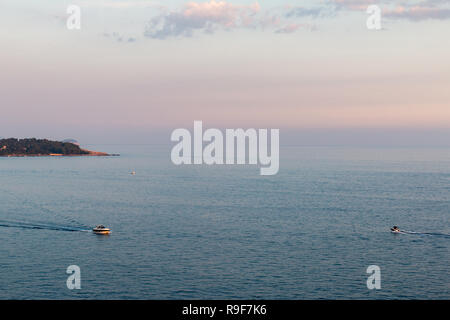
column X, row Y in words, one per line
column 395, row 229
column 101, row 229
column 133, row 173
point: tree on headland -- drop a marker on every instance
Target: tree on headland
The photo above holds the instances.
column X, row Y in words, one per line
column 35, row 146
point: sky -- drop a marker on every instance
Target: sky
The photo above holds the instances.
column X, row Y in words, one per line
column 138, row 69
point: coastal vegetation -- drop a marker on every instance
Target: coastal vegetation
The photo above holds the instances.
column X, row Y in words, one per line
column 41, row 147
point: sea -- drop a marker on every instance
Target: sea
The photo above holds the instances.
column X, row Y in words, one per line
column 225, row 231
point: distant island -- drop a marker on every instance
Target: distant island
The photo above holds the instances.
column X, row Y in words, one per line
column 42, row 147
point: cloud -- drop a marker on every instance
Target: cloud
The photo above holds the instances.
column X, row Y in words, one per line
column 119, row 37
column 290, row 28
column 213, row 15
column 119, row 4
column 202, row 16
column 418, row 13
column 300, row 12
column 352, row 4
column 411, row 10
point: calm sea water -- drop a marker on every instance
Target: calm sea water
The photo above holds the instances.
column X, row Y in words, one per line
column 225, row 232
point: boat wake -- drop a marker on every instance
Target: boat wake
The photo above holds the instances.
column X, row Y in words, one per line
column 25, row 225
column 446, row 235
column 53, row 215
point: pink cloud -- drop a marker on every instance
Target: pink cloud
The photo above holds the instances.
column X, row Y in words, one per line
column 220, row 12
column 293, row 27
column 202, row 16
column 418, row 13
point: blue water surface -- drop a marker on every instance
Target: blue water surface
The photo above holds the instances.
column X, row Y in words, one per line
column 226, row 232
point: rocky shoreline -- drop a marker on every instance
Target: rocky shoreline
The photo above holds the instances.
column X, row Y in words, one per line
column 89, row 154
